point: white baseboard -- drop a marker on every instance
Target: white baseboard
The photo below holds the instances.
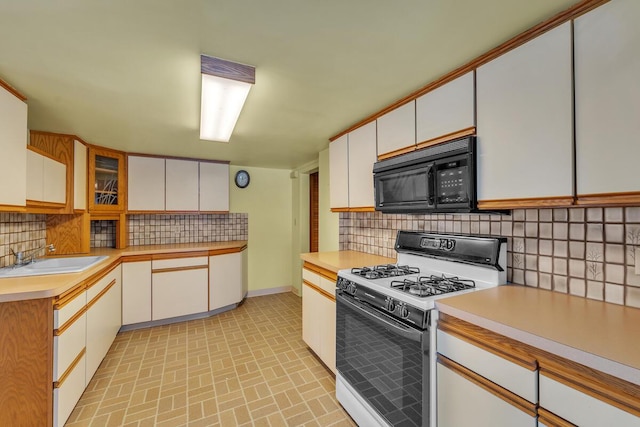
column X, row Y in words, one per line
column 269, row 291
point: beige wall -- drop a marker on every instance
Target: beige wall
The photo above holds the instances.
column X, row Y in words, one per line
column 329, row 238
column 268, row 201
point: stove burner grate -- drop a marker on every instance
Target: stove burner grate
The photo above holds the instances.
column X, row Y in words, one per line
column 432, row 285
column 384, row 271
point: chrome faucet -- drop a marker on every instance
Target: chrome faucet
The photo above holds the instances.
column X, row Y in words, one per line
column 23, row 259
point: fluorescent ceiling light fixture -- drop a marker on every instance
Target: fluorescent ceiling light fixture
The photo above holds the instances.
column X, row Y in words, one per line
column 225, row 86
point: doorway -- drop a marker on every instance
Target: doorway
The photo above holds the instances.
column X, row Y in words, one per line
column 314, row 209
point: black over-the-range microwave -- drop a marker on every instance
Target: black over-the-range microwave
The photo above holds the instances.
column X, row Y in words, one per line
column 440, row 178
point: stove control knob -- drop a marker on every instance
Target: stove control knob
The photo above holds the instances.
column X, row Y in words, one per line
column 403, row 311
column 351, row 288
column 390, row 304
column 342, row 283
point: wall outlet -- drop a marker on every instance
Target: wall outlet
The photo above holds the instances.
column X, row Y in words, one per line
column 637, row 260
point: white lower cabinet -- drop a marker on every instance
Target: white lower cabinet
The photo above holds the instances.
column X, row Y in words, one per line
column 69, row 339
column 463, row 402
column 136, row 292
column 319, row 316
column 104, row 318
column 67, row 394
column 180, row 287
column 580, row 408
column 227, row 276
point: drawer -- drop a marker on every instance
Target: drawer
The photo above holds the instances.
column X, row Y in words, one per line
column 580, row 408
column 95, row 289
column 311, row 276
column 68, row 310
column 68, row 342
column 201, row 261
column 320, row 281
column 509, row 375
column 68, row 392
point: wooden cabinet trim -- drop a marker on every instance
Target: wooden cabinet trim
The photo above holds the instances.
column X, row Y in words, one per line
column 65, row 298
column 136, row 258
column 609, row 199
column 12, row 208
column 71, row 321
column 102, row 292
column 327, row 274
column 13, row 91
column 552, row 420
column 214, row 252
column 568, row 14
column 622, row 395
column 175, row 255
column 99, row 275
column 172, row 269
column 486, row 340
column 398, row 152
column 561, row 201
column 448, row 137
column 94, row 151
column 512, row 399
column 320, row 290
column 65, row 375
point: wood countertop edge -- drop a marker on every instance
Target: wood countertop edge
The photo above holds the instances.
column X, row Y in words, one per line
column 314, row 258
column 606, row 365
column 39, row 291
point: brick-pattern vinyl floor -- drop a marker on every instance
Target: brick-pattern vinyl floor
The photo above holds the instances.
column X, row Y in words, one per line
column 245, row 367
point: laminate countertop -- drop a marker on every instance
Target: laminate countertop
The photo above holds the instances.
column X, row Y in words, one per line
column 596, row 334
column 48, row 286
column 339, row 260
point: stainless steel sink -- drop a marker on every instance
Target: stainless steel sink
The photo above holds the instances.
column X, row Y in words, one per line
column 43, row 267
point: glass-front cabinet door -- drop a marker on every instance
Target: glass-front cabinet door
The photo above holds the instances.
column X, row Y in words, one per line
column 106, row 180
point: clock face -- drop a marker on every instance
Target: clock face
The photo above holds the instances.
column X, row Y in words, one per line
column 242, row 178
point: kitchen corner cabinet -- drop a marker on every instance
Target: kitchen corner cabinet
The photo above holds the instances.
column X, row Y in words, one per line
column 106, row 182
column 319, row 313
column 13, row 139
column 397, row 131
column 446, row 112
column 524, row 124
column 179, row 286
column 136, row 291
column 227, row 279
column 339, row 173
column 46, row 179
column 145, row 183
column 607, row 103
column 214, row 187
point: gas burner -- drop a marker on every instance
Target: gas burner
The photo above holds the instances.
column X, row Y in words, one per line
column 432, row 285
column 384, row 271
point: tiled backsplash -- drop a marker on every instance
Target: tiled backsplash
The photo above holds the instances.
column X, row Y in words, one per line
column 103, row 234
column 589, row 252
column 20, row 232
column 163, row 229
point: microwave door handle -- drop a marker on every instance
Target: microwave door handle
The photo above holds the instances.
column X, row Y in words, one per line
column 431, row 186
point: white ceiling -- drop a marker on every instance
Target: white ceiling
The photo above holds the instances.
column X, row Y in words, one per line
column 126, row 73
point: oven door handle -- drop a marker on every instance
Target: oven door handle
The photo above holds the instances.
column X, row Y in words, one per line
column 386, row 322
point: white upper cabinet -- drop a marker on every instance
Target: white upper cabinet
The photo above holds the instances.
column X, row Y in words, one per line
column 607, row 91
column 214, row 187
column 145, row 183
column 46, row 179
column 339, row 172
column 524, row 122
column 13, row 140
column 79, row 175
column 182, row 185
column 445, row 110
column 397, row 129
column 362, row 156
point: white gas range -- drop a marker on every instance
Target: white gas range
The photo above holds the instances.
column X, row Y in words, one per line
column 383, row 317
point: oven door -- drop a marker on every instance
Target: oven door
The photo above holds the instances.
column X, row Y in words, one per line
column 385, row 362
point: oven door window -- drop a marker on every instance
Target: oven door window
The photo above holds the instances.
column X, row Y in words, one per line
column 389, row 371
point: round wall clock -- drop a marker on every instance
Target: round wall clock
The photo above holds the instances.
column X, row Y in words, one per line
column 242, row 179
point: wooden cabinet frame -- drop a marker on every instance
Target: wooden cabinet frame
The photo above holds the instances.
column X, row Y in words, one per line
column 120, row 207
